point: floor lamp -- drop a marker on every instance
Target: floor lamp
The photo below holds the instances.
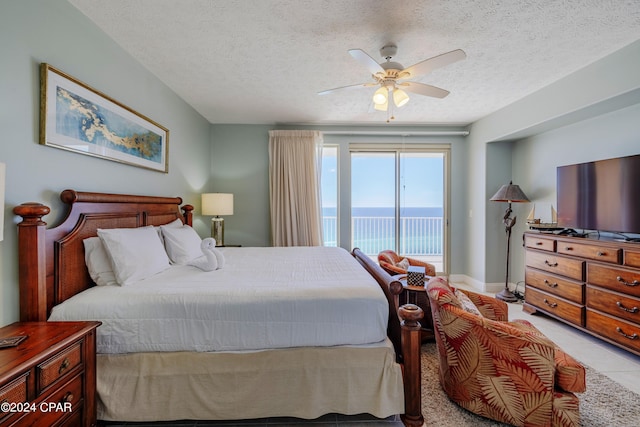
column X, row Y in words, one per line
column 511, row 194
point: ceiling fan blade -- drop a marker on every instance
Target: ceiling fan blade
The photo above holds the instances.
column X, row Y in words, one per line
column 363, row 58
column 423, row 89
column 431, row 64
column 335, row 89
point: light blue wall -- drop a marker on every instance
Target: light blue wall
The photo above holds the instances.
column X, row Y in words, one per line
column 52, row 31
column 240, row 165
column 595, row 92
column 609, row 135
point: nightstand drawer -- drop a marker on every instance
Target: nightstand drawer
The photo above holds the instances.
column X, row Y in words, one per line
column 58, row 366
column 14, row 392
column 58, row 405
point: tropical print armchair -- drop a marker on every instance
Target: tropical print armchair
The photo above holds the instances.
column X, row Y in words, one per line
column 394, row 264
column 506, row 371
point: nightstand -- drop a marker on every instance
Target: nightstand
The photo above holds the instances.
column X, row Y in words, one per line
column 417, row 295
column 50, row 377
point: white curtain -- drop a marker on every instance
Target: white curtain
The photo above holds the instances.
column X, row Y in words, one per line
column 295, row 158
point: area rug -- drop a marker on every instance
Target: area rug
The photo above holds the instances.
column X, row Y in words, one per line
column 605, row 403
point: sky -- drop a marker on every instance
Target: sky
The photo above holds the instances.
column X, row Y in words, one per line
column 373, row 180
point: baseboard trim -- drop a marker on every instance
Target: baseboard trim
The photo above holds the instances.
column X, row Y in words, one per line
column 477, row 285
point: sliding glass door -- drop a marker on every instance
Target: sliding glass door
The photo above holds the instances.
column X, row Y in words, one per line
column 398, row 202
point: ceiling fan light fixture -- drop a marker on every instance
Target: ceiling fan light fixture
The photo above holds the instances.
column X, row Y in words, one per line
column 380, row 96
column 400, row 97
column 381, row 107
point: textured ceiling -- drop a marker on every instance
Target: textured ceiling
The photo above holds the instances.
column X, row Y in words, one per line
column 263, row 61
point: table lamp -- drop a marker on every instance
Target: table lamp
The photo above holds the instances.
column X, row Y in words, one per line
column 217, row 204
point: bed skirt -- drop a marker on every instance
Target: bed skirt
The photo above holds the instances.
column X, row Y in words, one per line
column 305, row 382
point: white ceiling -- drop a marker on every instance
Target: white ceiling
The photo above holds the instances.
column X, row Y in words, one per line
column 263, row 61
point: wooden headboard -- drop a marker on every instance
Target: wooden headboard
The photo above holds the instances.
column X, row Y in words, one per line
column 51, row 260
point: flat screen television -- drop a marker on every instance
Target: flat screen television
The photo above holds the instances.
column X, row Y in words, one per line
column 603, row 195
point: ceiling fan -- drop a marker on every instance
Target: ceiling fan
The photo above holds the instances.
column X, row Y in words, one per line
column 391, row 76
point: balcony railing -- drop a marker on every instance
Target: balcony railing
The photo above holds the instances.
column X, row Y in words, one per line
column 418, row 235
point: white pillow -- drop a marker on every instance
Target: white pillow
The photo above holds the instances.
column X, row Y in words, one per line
column 182, row 244
column 98, row 262
column 175, row 223
column 135, row 253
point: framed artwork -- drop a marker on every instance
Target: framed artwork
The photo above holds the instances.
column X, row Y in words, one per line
column 76, row 117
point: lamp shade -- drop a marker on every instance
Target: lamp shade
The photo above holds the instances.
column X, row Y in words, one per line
column 217, row 204
column 509, row 193
column 400, row 97
column 380, row 96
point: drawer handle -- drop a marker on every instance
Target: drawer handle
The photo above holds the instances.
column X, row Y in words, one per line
column 550, row 304
column 549, row 284
column 539, row 243
column 67, row 398
column 551, row 264
column 628, row 310
column 64, row 365
column 624, row 282
column 631, row 337
column 568, row 248
column 601, row 253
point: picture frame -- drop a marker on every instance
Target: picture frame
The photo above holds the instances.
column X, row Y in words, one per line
column 76, row 117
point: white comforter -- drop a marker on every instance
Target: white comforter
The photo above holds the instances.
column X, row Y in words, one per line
column 263, row 298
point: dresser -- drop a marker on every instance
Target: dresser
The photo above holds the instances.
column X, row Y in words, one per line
column 50, row 377
column 591, row 284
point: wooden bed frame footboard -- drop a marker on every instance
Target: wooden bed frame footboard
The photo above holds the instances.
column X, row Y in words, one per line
column 52, row 267
column 404, row 331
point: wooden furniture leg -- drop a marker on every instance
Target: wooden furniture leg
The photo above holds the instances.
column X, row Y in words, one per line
column 411, row 341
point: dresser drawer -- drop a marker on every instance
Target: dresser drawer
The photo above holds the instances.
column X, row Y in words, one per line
column 568, row 267
column 614, row 278
column 540, row 243
column 613, row 303
column 59, row 365
column 556, row 285
column 567, row 310
column 600, row 253
column 617, row 330
column 632, row 258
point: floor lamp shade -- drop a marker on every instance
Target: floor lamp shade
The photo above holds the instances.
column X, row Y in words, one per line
column 217, row 204
column 511, row 194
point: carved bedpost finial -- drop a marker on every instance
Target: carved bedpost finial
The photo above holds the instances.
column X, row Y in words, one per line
column 31, row 213
column 187, row 213
column 32, row 277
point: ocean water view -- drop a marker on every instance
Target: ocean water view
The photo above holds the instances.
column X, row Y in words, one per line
column 373, row 229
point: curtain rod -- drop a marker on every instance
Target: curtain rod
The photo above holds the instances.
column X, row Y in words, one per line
column 398, row 132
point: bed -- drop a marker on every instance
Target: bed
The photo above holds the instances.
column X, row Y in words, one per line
column 268, row 366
